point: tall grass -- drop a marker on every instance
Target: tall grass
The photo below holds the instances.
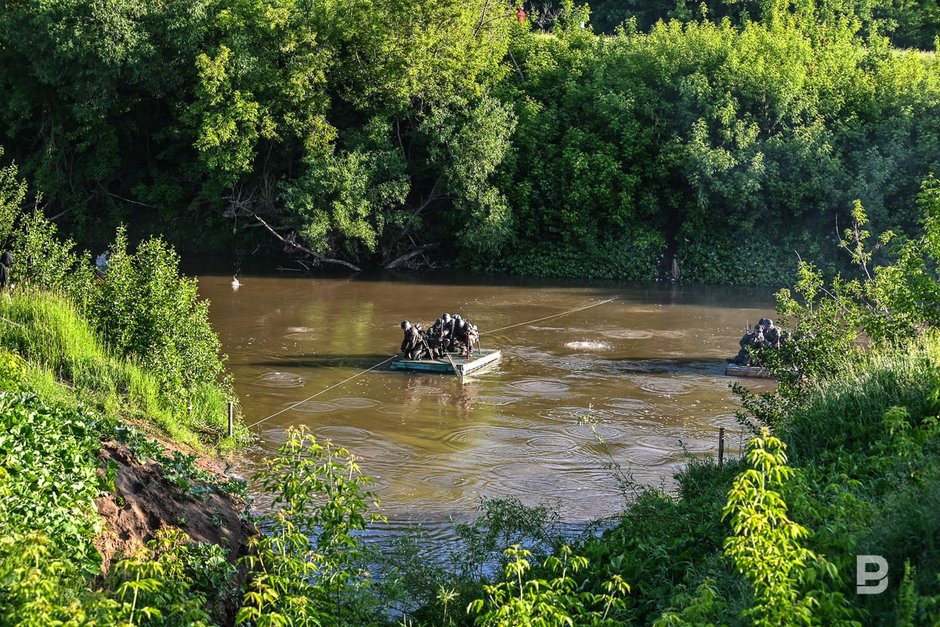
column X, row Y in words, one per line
column 846, row 413
column 68, row 361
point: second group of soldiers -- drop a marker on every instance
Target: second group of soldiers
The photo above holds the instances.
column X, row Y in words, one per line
column 764, row 335
column 448, row 334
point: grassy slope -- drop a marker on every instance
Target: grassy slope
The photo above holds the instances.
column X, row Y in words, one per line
column 61, row 394
column 68, row 363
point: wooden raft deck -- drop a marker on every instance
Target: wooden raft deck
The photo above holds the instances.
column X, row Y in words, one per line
column 461, row 365
column 753, row 372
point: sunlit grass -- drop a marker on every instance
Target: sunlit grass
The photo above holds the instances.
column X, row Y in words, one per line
column 68, row 363
column 847, row 412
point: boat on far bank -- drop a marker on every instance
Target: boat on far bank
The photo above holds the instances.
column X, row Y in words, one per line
column 453, row 363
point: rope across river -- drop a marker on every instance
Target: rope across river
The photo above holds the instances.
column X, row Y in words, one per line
column 391, row 357
column 564, row 313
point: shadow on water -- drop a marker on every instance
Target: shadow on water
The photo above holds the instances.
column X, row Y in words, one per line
column 677, row 365
column 604, row 364
column 324, row 361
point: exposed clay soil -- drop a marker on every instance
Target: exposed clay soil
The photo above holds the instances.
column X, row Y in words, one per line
column 144, row 501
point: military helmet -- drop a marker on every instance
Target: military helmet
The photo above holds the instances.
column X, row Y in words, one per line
column 405, row 325
column 770, row 322
column 446, row 317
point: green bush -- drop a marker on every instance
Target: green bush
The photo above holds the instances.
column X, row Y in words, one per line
column 145, row 310
column 13, row 371
column 42, row 261
column 525, row 601
column 308, row 566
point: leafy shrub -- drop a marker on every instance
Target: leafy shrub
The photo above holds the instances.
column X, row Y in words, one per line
column 502, row 523
column 146, row 311
column 12, row 371
column 634, row 258
column 158, row 585
column 889, row 303
column 307, row 568
column 42, row 261
column 766, row 545
column 12, row 194
column 40, row 585
column 523, row 601
column 48, row 474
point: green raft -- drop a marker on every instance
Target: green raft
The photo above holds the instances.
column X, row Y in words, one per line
column 458, row 363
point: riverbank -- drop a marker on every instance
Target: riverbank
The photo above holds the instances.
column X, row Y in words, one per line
column 100, row 522
column 682, row 149
column 91, row 501
column 870, row 425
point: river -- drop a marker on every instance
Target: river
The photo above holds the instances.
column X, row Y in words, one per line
column 646, row 368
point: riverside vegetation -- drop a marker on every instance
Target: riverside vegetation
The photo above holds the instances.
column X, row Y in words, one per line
column 543, row 148
column 844, row 461
column 373, row 133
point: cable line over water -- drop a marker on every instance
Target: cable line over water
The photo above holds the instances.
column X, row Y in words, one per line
column 564, row 313
column 323, row 391
column 388, row 359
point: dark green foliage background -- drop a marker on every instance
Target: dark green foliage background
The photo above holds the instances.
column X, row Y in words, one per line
column 725, row 140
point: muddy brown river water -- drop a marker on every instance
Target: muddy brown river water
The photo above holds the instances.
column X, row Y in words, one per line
column 647, row 367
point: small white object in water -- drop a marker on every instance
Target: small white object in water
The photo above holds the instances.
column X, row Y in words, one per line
column 235, row 283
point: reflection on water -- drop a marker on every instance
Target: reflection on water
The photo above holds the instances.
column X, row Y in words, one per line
column 647, row 369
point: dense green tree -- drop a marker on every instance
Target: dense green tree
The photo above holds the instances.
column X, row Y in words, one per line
column 373, row 132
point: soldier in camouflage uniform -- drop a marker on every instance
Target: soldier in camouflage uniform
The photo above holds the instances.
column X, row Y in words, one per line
column 412, row 344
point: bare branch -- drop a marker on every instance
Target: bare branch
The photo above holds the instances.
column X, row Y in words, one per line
column 291, row 240
column 407, row 257
column 133, row 202
column 433, row 195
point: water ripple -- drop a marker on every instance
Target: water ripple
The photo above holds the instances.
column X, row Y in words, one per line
column 354, row 403
column 540, row 386
column 279, row 380
column 627, row 334
column 629, row 407
column 345, row 434
column 662, row 385
column 460, row 436
column 496, row 400
column 314, row 407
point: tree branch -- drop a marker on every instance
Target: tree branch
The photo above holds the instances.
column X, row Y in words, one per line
column 432, row 196
column 476, row 31
column 291, row 241
column 420, row 250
